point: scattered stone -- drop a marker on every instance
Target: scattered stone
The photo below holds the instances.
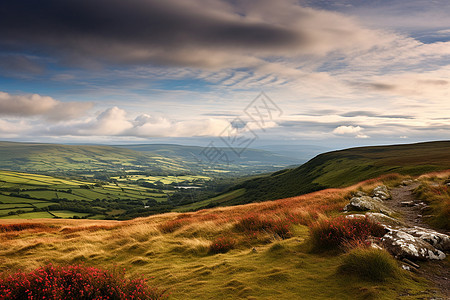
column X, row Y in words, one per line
column 405, row 267
column 404, row 245
column 407, row 182
column 407, row 203
column 381, row 192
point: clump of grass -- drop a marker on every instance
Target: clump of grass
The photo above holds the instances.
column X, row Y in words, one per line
column 75, row 282
column 333, row 233
column 370, row 264
column 437, row 194
column 172, row 225
column 222, row 245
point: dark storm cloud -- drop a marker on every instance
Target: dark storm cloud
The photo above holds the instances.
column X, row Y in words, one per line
column 135, row 30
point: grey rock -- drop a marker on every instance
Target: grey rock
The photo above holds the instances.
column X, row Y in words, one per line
column 381, row 192
column 366, row 203
column 384, row 220
column 407, row 182
column 404, row 245
column 360, row 194
column 407, row 203
column 436, row 239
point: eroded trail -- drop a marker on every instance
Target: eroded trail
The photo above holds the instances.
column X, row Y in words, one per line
column 404, row 202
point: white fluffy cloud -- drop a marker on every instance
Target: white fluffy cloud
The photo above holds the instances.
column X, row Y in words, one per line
column 36, row 105
column 356, row 131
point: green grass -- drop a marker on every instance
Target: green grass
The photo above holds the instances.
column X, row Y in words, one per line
column 30, row 215
column 370, row 264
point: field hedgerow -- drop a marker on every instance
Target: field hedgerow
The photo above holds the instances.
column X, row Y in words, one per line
column 75, row 282
column 222, row 245
column 332, row 233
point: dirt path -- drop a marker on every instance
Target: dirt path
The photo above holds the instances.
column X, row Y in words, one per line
column 437, row 272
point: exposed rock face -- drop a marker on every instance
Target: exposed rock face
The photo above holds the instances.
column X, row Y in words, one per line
column 404, row 245
column 381, row 192
column 365, row 203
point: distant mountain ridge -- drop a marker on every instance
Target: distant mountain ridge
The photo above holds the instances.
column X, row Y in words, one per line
column 157, row 158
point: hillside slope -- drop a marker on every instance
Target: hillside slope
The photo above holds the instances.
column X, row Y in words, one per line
column 157, row 159
column 344, row 168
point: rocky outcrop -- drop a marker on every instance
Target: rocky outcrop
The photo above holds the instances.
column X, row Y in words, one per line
column 404, row 245
column 365, row 203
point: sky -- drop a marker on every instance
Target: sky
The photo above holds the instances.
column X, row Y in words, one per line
column 331, row 73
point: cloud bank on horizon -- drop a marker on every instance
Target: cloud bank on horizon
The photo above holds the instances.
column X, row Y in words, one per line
column 139, row 69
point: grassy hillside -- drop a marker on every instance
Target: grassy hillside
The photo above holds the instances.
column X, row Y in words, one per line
column 266, row 260
column 343, row 168
column 156, row 159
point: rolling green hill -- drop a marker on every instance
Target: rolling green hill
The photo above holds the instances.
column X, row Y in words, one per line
column 343, row 168
column 156, row 159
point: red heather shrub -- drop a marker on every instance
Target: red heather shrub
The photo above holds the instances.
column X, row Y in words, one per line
column 255, row 224
column 172, row 225
column 332, row 233
column 75, row 282
column 222, row 245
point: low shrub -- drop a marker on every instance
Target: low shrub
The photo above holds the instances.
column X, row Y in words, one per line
column 172, row 225
column 369, row 264
column 75, row 282
column 333, row 233
column 255, row 224
column 222, row 245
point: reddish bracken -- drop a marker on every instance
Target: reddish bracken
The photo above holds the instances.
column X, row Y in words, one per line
column 23, row 226
column 75, row 282
column 332, row 233
column 222, row 245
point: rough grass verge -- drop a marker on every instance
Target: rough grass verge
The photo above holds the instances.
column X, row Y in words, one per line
column 370, row 264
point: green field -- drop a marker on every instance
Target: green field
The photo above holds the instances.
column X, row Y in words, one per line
column 28, row 196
